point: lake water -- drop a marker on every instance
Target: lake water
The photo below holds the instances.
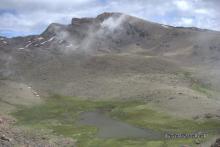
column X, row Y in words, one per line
column 111, row 128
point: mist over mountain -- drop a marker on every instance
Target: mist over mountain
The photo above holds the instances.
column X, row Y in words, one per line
column 120, row 57
column 114, row 33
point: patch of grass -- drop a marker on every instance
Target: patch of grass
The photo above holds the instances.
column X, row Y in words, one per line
column 60, row 115
column 196, row 85
column 141, row 115
column 202, row 89
column 3, row 78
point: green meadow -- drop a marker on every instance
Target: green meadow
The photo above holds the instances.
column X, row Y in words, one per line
column 60, row 114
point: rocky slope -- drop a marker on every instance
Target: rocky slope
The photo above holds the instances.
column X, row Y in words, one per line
column 12, row 136
column 116, row 56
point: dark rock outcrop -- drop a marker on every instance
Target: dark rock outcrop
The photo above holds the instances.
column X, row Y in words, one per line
column 217, row 143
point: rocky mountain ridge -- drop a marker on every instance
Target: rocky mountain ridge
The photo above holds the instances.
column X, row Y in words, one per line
column 117, row 56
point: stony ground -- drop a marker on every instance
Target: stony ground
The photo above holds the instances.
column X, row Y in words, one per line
column 217, row 143
column 11, row 136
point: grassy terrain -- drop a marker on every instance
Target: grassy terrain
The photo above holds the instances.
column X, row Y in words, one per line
column 197, row 85
column 141, row 115
column 59, row 114
column 202, row 88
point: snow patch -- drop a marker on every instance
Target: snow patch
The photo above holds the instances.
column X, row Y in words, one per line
column 69, row 45
column 43, row 42
column 60, row 41
column 4, row 42
column 51, row 39
column 165, row 26
column 40, row 38
column 28, row 45
column 34, row 92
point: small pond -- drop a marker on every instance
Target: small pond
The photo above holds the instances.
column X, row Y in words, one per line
column 112, row 128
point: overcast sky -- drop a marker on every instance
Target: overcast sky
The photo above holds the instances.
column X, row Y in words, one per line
column 25, row 17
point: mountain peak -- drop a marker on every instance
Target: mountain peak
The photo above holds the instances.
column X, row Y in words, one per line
column 79, row 21
column 106, row 15
column 101, row 17
column 53, row 28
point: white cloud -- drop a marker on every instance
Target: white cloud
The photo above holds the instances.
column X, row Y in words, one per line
column 202, row 11
column 186, row 21
column 113, row 23
column 51, row 5
column 182, row 4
